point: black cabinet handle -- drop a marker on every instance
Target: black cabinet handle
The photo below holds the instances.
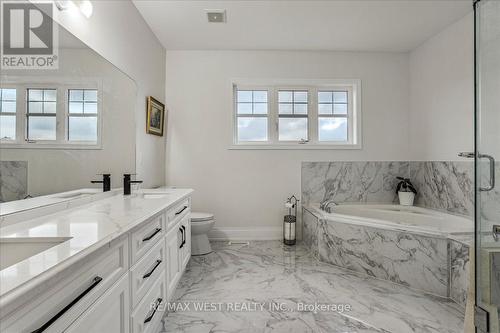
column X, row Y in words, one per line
column 152, row 313
column 157, row 230
column 182, row 242
column 184, row 235
column 95, row 282
column 183, row 209
column 148, row 274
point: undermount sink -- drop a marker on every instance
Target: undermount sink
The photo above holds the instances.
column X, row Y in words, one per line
column 157, row 195
column 76, row 195
column 14, row 250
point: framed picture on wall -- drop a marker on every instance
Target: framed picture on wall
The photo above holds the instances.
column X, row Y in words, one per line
column 155, row 117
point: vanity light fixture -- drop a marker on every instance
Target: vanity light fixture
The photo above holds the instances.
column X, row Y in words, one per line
column 216, row 15
column 84, row 6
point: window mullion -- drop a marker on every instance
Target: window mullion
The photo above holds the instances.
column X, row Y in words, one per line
column 313, row 115
column 273, row 115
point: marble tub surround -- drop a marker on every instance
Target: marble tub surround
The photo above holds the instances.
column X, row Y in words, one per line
column 86, row 227
column 432, row 262
column 459, row 272
column 268, row 272
column 351, row 181
column 13, row 180
column 444, row 185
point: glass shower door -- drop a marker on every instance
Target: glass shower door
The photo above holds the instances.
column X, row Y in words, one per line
column 487, row 111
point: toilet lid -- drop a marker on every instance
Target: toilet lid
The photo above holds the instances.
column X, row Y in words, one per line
column 199, row 217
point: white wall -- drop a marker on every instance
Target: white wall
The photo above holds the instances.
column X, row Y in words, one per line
column 247, row 188
column 442, row 94
column 118, row 32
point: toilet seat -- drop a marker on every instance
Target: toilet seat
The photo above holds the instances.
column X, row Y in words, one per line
column 201, row 217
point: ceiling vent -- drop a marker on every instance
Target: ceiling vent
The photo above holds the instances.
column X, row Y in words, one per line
column 216, row 15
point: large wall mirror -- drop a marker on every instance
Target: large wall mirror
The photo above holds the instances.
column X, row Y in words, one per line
column 60, row 128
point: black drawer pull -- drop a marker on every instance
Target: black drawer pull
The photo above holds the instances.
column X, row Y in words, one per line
column 182, row 242
column 183, row 235
column 148, row 274
column 95, row 282
column 183, row 209
column 157, row 230
column 152, row 313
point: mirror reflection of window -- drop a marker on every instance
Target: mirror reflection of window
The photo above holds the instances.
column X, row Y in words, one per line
column 41, row 114
column 8, row 113
column 82, row 115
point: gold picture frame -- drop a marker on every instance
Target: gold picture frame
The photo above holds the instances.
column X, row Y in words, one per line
column 155, row 118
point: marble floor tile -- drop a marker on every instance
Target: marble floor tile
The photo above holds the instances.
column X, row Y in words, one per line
column 282, row 280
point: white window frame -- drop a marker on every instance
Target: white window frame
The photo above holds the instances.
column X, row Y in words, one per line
column 352, row 86
column 23, row 83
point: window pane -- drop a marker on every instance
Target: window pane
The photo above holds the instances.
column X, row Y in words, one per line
column 300, row 108
column 245, row 108
column 90, row 95
column 332, row 129
column 285, row 96
column 49, row 107
column 300, row 96
column 8, row 94
column 340, row 108
column 292, row 129
column 35, row 107
column 8, row 127
column 260, row 96
column 324, row 108
column 41, row 128
column 49, row 95
column 90, row 108
column 82, row 129
column 340, row 96
column 325, row 97
column 76, row 95
column 76, row 107
column 8, row 106
column 285, row 108
column 245, row 96
column 260, row 108
column 35, row 95
column 252, row 129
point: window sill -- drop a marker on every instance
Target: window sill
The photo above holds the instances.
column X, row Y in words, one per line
column 50, row 146
column 295, row 147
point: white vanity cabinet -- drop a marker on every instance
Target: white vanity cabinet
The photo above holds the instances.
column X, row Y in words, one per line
column 122, row 286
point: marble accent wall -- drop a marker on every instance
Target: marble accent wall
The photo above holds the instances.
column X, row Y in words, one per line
column 13, row 180
column 373, row 182
column 447, row 186
column 441, row 185
column 459, row 272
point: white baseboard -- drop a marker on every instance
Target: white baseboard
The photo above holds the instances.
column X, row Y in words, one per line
column 246, row 233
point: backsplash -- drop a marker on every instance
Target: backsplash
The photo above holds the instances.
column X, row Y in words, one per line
column 444, row 185
column 441, row 185
column 372, row 182
column 13, row 180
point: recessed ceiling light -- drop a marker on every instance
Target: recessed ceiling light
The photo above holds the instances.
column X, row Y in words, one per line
column 216, row 15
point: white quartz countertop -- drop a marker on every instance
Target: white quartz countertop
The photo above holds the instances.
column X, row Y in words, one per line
column 87, row 227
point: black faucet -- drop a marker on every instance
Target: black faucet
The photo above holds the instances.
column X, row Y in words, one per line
column 127, row 182
column 106, row 182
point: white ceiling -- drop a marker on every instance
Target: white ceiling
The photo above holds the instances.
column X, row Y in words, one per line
column 365, row 25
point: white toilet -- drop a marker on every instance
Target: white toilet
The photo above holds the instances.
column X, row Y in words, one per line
column 201, row 223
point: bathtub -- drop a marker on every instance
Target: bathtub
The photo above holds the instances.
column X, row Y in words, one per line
column 412, row 219
column 412, row 246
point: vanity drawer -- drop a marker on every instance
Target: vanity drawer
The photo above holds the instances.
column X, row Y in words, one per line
column 148, row 314
column 176, row 213
column 143, row 238
column 57, row 307
column 146, row 271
